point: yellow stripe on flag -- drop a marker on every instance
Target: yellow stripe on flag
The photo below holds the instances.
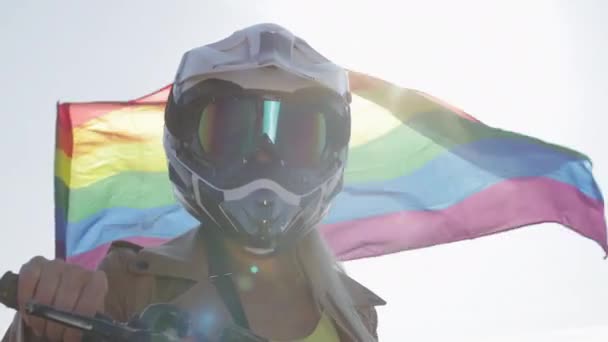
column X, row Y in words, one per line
column 130, row 139
column 369, row 121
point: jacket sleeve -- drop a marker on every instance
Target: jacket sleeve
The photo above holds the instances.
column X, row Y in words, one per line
column 121, row 300
column 19, row 332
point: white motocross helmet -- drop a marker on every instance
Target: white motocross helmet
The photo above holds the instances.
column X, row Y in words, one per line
column 256, row 134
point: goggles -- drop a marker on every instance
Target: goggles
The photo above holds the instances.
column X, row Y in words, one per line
column 226, row 129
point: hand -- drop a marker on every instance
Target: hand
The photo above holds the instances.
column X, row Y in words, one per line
column 64, row 286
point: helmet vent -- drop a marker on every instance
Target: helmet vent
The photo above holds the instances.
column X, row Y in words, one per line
column 273, row 45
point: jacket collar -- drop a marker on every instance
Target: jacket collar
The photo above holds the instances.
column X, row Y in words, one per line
column 184, row 257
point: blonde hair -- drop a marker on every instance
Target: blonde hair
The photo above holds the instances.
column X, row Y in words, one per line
column 323, row 273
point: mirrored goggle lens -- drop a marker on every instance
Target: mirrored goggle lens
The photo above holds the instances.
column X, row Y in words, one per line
column 235, row 127
column 226, row 128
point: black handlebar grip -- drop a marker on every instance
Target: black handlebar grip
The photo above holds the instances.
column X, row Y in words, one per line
column 9, row 283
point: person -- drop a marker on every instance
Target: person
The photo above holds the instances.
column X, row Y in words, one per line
column 256, row 135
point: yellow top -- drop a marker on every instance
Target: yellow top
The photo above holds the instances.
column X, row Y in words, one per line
column 324, row 332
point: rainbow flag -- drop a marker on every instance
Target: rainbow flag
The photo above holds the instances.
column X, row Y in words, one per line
column 420, row 173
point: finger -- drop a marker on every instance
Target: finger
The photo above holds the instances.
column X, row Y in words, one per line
column 29, row 276
column 71, row 285
column 90, row 302
column 45, row 291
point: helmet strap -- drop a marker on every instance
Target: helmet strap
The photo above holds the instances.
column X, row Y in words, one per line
column 220, row 274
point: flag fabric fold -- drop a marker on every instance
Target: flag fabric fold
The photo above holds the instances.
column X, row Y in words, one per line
column 420, row 173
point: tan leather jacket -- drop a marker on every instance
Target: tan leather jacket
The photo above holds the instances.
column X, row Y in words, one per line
column 173, row 273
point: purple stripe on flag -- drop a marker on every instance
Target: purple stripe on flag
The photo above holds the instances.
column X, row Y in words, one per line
column 507, row 205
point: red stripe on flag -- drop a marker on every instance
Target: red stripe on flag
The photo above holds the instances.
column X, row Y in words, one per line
column 158, row 96
column 453, row 109
column 64, row 129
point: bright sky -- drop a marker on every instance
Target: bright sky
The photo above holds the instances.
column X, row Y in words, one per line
column 535, row 67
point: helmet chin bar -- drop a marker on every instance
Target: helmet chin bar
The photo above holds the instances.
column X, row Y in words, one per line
column 262, row 215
